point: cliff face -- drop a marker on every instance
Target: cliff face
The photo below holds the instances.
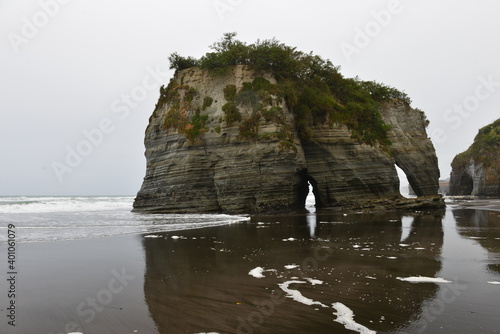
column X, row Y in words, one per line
column 229, row 144
column 411, row 149
column 476, row 171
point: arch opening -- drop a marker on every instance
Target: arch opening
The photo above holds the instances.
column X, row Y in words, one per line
column 404, row 185
column 308, row 192
column 310, row 203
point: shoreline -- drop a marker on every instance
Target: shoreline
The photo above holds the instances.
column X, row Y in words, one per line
column 471, row 202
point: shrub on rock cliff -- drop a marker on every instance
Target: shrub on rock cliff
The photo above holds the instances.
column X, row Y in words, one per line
column 313, row 88
column 477, row 170
column 179, row 63
column 232, row 114
column 485, row 148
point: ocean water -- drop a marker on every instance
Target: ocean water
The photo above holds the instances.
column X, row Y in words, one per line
column 39, row 219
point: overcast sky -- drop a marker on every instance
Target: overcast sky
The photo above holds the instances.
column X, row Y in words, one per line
column 79, row 79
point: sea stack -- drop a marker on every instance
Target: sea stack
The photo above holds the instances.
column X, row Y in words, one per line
column 250, row 138
column 476, row 171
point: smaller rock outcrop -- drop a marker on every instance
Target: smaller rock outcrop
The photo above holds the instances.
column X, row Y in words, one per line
column 476, row 171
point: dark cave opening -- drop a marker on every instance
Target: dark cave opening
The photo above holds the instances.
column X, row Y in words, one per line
column 466, row 185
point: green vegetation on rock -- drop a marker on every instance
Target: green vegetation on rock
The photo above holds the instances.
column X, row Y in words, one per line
column 177, row 116
column 485, row 149
column 230, row 93
column 232, row 114
column 196, row 127
column 207, row 103
column 313, row 88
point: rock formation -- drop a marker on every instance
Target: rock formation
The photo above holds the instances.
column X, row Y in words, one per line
column 476, row 171
column 229, row 143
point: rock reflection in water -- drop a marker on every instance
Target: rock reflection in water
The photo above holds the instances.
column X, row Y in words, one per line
column 200, row 282
column 482, row 226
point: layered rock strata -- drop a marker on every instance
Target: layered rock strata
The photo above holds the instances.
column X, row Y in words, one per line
column 476, row 171
column 208, row 150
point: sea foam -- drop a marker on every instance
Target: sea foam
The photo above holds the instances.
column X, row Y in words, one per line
column 345, row 316
column 296, row 295
column 423, row 279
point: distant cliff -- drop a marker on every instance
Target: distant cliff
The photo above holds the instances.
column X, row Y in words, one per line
column 247, row 127
column 476, row 171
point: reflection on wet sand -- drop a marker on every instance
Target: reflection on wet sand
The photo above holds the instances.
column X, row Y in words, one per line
column 484, row 227
column 200, row 282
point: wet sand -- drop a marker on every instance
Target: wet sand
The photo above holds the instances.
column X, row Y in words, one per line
column 89, row 286
column 315, row 267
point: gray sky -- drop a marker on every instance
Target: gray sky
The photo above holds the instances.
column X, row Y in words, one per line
column 79, row 79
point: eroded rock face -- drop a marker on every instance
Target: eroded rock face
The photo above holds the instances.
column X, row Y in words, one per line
column 476, row 171
column 207, row 151
column 474, row 179
column 219, row 171
column 411, row 149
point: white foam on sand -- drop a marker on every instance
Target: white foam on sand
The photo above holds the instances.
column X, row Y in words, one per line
column 345, row 316
column 423, row 279
column 152, row 236
column 291, row 266
column 296, row 295
column 314, row 281
column 257, row 272
column 289, row 239
column 404, row 245
column 370, row 277
column 392, row 257
column 494, row 282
